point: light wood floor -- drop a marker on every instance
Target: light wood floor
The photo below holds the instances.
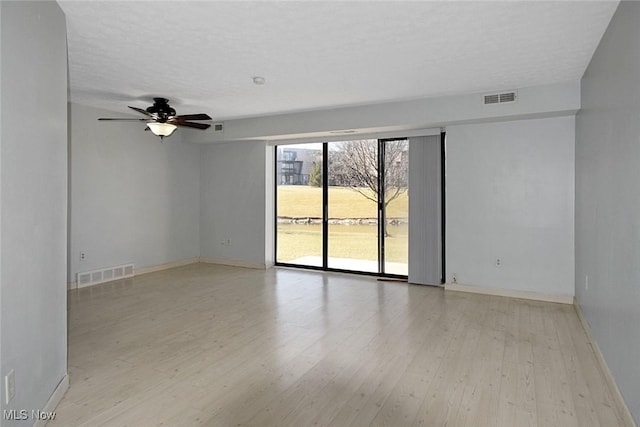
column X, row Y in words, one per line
column 208, row 345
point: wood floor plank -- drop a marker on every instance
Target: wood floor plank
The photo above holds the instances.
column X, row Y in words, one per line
column 403, row 403
column 443, row 400
column 207, row 345
column 306, row 392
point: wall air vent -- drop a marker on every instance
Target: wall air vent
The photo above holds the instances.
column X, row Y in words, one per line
column 84, row 279
column 217, row 127
column 94, row 277
column 500, row 98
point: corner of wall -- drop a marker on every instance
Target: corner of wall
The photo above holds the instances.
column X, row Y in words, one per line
column 607, row 209
column 34, row 214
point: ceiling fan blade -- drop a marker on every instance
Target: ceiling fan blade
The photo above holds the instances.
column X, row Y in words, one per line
column 201, row 116
column 140, row 110
column 189, row 124
column 123, row 119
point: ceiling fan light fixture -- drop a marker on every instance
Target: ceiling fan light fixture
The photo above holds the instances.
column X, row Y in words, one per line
column 161, row 129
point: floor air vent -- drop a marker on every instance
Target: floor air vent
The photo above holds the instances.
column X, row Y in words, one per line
column 94, row 277
column 500, row 98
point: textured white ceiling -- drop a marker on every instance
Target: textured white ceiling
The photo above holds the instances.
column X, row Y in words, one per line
column 314, row 55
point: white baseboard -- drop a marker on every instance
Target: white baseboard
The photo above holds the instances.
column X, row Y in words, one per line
column 166, row 266
column 618, row 400
column 54, row 400
column 234, row 263
column 536, row 296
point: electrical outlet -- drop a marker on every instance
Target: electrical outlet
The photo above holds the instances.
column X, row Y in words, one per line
column 586, row 282
column 9, row 386
column 498, row 262
column 83, row 256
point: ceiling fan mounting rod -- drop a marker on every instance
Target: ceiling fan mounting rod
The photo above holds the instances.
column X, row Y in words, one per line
column 161, row 110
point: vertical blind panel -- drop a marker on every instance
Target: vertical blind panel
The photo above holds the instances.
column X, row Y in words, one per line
column 425, row 199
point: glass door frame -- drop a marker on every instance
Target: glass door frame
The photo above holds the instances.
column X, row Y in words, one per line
column 325, row 215
column 381, row 211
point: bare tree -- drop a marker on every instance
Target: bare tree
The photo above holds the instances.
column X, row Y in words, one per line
column 355, row 165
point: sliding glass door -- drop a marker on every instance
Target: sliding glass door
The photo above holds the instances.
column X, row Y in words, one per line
column 299, row 204
column 354, row 220
column 353, row 206
column 395, row 199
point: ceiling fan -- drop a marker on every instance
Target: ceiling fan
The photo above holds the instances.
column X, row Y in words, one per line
column 162, row 119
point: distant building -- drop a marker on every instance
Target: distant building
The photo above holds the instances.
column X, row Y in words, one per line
column 296, row 164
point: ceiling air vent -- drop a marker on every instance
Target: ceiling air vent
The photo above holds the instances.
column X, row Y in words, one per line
column 217, row 127
column 500, row 98
column 491, row 99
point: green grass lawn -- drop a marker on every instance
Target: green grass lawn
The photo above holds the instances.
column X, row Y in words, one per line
column 345, row 241
column 303, row 201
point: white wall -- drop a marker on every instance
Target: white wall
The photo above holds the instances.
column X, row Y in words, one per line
column 1, row 369
column 240, row 164
column 608, row 200
column 1, row 102
column 133, row 198
column 510, row 195
column 34, row 201
column 233, row 203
